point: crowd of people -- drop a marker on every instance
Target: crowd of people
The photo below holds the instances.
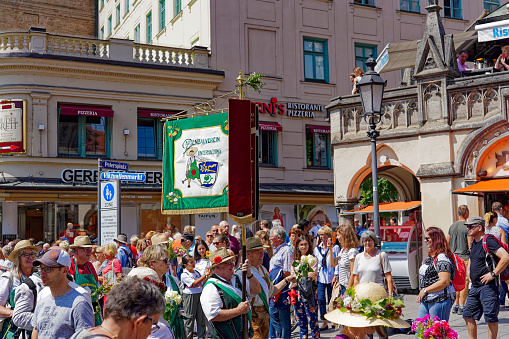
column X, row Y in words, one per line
column 135, row 288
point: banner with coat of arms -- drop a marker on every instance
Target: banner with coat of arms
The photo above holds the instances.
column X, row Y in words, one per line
column 195, row 165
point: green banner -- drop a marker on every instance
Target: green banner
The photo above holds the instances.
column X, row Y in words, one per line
column 195, row 165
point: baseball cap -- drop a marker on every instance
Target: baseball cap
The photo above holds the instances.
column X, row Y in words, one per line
column 475, row 221
column 53, row 258
column 188, row 236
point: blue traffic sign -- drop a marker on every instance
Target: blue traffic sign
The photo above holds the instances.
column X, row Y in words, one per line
column 108, row 192
column 123, row 176
column 119, row 166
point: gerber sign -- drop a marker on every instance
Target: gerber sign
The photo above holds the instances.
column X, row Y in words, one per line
column 493, row 31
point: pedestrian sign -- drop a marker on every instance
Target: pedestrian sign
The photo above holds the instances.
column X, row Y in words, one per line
column 109, row 195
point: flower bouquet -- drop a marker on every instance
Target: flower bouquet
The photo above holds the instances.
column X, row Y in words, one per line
column 432, row 328
column 173, row 253
column 173, row 299
column 103, row 291
column 304, row 266
column 386, row 308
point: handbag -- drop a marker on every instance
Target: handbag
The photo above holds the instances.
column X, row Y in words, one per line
column 336, row 292
column 394, row 288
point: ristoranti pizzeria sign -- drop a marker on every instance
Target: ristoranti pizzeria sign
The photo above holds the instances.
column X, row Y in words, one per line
column 291, row 109
column 12, row 126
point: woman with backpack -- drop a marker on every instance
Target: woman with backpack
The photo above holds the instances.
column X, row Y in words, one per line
column 436, row 274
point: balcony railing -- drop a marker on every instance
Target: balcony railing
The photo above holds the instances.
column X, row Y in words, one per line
column 112, row 49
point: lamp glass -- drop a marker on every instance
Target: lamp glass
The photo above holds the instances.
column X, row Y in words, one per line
column 366, row 94
column 377, row 90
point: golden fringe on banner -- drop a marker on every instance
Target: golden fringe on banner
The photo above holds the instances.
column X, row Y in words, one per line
column 194, row 211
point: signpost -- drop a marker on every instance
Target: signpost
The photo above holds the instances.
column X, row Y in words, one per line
column 109, row 211
column 123, row 176
column 119, row 166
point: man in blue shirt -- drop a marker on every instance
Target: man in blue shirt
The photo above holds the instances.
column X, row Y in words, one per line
column 123, row 252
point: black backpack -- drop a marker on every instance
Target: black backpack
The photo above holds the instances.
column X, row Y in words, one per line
column 131, row 263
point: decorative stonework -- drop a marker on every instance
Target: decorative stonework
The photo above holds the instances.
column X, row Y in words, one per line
column 476, row 103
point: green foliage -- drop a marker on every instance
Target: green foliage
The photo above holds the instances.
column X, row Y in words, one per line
column 386, row 191
column 303, row 211
column 254, row 81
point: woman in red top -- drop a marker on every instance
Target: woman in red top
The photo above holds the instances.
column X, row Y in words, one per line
column 110, row 251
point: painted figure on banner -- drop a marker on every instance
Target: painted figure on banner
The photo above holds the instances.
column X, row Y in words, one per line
column 192, row 170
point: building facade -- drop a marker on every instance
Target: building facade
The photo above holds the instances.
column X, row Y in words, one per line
column 65, row 17
column 306, row 50
column 438, row 136
column 74, row 101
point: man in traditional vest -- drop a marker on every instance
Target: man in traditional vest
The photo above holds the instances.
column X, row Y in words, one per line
column 81, row 268
column 260, row 303
column 221, row 298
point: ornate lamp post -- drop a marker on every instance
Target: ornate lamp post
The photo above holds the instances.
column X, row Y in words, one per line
column 371, row 88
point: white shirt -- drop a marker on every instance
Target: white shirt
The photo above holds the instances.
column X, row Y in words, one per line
column 211, row 301
column 188, row 279
column 201, row 266
column 314, row 231
column 268, row 289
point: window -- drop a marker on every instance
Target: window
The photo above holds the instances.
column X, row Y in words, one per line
column 126, row 6
column 491, row 5
column 150, row 143
column 362, row 53
column 149, row 27
column 178, row 7
column 102, row 33
column 267, row 147
column 83, row 136
column 410, row 5
column 318, row 147
column 110, row 23
column 365, row 2
column 137, row 34
column 316, row 64
column 452, row 9
column 118, row 15
column 162, row 11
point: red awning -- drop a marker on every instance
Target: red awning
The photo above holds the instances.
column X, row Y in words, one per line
column 388, row 207
column 146, row 113
column 270, row 126
column 319, row 129
column 494, row 185
column 91, row 111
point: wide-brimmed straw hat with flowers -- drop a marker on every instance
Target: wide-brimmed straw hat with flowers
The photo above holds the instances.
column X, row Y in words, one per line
column 82, row 241
column 367, row 304
column 22, row 245
column 219, row 256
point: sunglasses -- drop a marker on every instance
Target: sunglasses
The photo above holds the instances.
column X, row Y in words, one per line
column 469, row 227
column 427, row 239
column 165, row 260
column 155, row 327
column 216, row 242
column 209, row 236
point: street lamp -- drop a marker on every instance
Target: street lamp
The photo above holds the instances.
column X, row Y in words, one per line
column 371, row 88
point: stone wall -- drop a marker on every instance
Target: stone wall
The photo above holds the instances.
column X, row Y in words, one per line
column 63, row 17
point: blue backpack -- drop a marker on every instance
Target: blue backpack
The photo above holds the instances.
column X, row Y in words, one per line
column 282, row 299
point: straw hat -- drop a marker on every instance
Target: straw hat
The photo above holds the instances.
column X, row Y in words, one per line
column 20, row 246
column 81, row 241
column 159, row 238
column 142, row 272
column 367, row 290
column 191, row 149
column 254, row 243
column 219, row 256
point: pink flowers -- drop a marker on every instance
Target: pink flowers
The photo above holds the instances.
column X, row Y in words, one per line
column 427, row 328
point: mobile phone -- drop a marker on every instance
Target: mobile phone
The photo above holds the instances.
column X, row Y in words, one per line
column 503, row 56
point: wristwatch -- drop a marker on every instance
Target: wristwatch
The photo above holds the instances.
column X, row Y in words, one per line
column 425, row 292
column 493, row 274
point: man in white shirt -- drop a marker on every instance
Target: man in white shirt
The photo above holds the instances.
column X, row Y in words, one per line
column 221, row 298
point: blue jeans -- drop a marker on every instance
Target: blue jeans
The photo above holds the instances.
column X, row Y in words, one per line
column 504, row 291
column 280, row 324
column 440, row 309
column 322, row 300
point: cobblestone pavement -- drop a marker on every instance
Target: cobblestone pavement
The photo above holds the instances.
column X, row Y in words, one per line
column 456, row 322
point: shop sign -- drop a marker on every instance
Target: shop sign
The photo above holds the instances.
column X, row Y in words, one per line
column 82, row 176
column 291, row 109
column 12, row 126
column 207, row 216
column 493, row 31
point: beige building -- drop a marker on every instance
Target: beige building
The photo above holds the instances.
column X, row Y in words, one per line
column 73, row 101
column 306, row 49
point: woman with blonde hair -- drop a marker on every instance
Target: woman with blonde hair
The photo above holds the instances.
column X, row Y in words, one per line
column 503, row 59
column 346, row 259
column 358, row 72
column 491, row 227
column 317, row 217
